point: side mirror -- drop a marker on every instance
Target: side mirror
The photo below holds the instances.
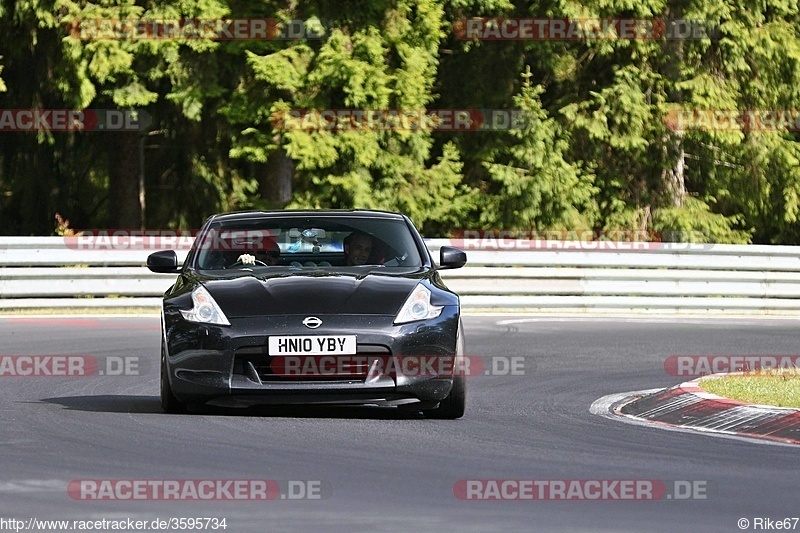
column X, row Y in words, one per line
column 450, row 257
column 164, row 262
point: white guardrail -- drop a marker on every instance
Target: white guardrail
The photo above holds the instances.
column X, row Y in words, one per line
column 44, row 272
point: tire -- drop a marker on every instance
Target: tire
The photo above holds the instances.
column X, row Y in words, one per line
column 169, row 403
column 455, row 404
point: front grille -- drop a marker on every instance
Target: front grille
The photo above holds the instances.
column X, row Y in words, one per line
column 257, row 366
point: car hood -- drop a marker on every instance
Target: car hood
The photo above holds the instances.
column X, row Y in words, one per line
column 253, row 294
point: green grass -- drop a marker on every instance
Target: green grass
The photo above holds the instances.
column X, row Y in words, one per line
column 778, row 387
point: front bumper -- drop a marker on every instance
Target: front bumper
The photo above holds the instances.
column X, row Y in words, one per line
column 230, row 365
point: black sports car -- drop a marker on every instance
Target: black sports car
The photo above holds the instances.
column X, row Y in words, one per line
column 311, row 307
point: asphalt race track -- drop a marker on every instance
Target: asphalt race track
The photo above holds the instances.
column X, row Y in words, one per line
column 380, row 470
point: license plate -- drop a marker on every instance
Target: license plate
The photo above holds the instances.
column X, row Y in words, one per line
column 313, row 345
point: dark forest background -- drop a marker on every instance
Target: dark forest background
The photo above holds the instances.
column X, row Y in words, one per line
column 596, row 150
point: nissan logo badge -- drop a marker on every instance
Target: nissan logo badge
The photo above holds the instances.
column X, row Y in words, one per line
column 312, row 322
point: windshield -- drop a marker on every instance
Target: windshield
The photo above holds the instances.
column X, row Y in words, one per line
column 306, row 242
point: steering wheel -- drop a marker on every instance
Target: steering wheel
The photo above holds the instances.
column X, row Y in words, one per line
column 396, row 261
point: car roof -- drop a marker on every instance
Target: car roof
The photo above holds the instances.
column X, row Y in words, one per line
column 305, row 213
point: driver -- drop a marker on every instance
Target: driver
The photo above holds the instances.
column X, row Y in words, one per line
column 271, row 257
column 357, row 247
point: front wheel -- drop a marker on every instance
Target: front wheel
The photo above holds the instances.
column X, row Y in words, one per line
column 455, row 404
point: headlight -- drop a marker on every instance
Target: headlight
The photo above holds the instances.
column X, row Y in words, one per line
column 418, row 306
column 205, row 309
